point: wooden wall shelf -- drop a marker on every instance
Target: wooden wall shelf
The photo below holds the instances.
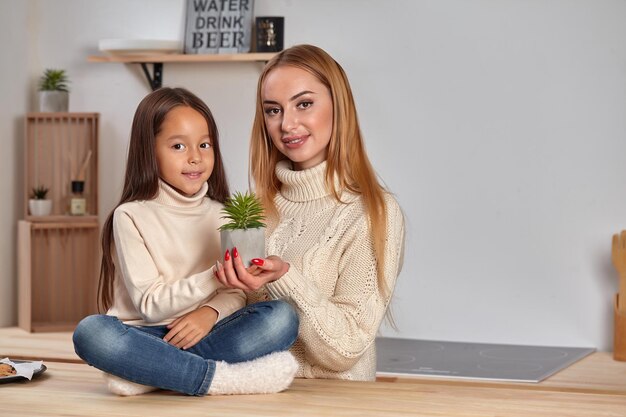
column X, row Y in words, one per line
column 62, row 222
column 146, row 58
column 157, row 60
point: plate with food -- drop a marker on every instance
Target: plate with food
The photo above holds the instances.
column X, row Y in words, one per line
column 10, row 372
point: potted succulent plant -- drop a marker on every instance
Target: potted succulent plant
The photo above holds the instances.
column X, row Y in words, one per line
column 54, row 94
column 38, row 205
column 245, row 229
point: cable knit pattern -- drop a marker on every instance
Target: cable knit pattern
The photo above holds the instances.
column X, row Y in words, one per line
column 165, row 252
column 332, row 281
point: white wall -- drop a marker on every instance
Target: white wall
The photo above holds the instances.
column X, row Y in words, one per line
column 16, row 27
column 499, row 125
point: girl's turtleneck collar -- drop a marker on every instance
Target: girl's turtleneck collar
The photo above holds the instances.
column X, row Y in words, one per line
column 305, row 185
column 168, row 196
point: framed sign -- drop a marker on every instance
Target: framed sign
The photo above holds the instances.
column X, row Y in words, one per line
column 218, row 26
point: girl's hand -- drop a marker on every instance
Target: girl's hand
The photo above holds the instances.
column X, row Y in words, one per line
column 189, row 329
column 233, row 274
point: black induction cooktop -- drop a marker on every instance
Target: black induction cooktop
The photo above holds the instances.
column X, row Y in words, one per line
column 520, row 363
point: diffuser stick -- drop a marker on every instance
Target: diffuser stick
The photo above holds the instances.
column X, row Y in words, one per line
column 83, row 168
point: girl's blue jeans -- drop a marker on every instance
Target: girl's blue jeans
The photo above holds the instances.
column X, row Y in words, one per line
column 139, row 353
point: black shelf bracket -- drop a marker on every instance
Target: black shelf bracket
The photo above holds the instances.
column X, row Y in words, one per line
column 156, row 79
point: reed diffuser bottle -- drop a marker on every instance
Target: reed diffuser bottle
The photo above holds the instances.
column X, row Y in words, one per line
column 78, row 204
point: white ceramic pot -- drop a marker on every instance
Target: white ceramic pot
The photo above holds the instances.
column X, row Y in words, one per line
column 250, row 243
column 39, row 207
column 54, row 101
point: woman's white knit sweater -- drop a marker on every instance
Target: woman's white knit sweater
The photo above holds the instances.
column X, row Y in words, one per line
column 165, row 252
column 332, row 280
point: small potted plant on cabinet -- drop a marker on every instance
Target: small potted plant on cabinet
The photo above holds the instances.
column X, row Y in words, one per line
column 245, row 229
column 54, row 94
column 38, row 205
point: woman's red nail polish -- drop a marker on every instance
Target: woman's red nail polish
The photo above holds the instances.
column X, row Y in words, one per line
column 227, row 256
column 258, row 261
column 235, row 253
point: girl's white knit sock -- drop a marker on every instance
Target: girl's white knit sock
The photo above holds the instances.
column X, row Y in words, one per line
column 125, row 388
column 267, row 374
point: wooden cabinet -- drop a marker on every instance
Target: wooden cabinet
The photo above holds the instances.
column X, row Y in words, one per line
column 58, row 254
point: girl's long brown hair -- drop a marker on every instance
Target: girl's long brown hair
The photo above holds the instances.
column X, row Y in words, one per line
column 141, row 181
column 347, row 159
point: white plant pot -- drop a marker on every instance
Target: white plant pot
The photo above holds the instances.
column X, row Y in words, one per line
column 250, row 243
column 54, row 101
column 39, row 207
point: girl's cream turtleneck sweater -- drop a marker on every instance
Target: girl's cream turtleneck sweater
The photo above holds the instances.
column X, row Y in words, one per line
column 165, row 252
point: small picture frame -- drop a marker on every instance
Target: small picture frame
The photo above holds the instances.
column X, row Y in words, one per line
column 269, row 33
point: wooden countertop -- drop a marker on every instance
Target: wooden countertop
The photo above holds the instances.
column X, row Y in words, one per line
column 592, row 387
column 17, row 343
column 77, row 390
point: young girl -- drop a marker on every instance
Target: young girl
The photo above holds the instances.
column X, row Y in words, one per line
column 336, row 236
column 170, row 324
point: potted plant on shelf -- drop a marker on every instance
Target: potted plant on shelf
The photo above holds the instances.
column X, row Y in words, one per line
column 54, row 94
column 38, row 205
column 245, row 229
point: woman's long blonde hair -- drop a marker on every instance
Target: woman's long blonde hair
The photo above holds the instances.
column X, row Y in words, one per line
column 347, row 160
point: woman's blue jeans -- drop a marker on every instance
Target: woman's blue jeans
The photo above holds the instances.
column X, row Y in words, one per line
column 139, row 353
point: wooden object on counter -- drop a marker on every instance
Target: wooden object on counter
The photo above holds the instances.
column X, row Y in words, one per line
column 618, row 256
column 619, row 327
column 78, row 389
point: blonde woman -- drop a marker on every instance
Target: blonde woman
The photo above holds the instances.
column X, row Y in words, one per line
column 335, row 236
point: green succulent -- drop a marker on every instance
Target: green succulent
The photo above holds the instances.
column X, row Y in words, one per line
column 243, row 211
column 39, row 192
column 53, row 80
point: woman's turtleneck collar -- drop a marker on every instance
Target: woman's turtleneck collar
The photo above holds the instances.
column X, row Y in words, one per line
column 168, row 196
column 305, row 185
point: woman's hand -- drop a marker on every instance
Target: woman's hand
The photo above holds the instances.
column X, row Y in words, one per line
column 189, row 329
column 233, row 274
